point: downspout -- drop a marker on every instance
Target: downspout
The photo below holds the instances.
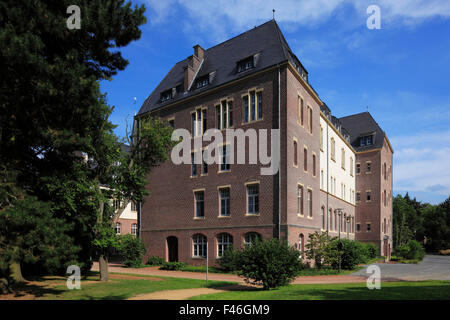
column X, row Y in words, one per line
column 279, row 158
column 328, row 181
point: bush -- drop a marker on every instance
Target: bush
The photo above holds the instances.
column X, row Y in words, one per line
column 316, row 248
column 351, row 254
column 412, row 250
column 172, row 266
column 228, row 262
column 372, row 250
column 155, row 261
column 271, row 263
column 132, row 250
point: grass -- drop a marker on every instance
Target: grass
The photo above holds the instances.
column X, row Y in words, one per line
column 430, row 290
column 54, row 288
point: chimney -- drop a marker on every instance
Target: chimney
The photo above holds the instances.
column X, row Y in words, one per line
column 194, row 62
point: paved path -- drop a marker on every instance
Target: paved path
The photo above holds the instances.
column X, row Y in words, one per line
column 153, row 271
column 182, row 294
column 431, row 268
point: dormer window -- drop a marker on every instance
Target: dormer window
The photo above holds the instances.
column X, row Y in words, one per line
column 166, row 95
column 202, row 82
column 366, row 141
column 246, row 64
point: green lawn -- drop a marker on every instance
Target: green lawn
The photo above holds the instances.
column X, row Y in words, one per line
column 51, row 288
column 433, row 290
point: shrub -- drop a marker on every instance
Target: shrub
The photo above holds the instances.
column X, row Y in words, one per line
column 271, row 263
column 352, row 253
column 412, row 250
column 228, row 262
column 132, row 250
column 172, row 266
column 316, row 248
column 155, row 261
column 372, row 250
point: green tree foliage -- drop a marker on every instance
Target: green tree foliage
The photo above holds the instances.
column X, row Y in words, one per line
column 132, row 250
column 316, row 248
column 412, row 250
column 271, row 263
column 229, row 260
column 52, row 114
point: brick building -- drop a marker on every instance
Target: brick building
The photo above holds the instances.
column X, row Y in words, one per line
column 252, row 81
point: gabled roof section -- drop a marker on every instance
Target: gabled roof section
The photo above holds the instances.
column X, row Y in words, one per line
column 265, row 41
column 360, row 125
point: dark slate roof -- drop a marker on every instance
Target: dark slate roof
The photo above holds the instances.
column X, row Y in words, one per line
column 362, row 124
column 266, row 39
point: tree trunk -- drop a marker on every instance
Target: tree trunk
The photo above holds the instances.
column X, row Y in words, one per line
column 16, row 272
column 103, row 266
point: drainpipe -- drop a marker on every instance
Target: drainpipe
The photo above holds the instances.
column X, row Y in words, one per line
column 328, row 180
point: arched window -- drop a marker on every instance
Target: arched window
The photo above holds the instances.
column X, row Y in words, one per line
column 118, row 227
column 251, row 237
column 322, row 213
column 199, row 246
column 301, row 244
column 224, row 241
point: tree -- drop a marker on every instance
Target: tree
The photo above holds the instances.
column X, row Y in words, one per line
column 401, row 228
column 52, row 112
column 316, row 248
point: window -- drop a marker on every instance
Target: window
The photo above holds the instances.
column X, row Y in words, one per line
column 172, row 123
column 333, row 149
column 199, row 204
column 368, row 227
column 253, row 199
column 358, row 227
column 133, row 206
column 118, row 227
column 358, row 168
column 310, row 122
column 245, row 64
column 116, row 204
column 368, row 196
column 384, row 171
column 300, row 200
column 322, row 213
column 321, row 138
column 198, row 122
column 343, row 158
column 224, row 241
column 134, row 229
column 224, row 115
column 321, row 179
column 368, row 166
column 204, row 167
column 301, row 244
column 225, row 161
column 251, row 237
column 351, row 166
column 384, row 198
column 314, row 164
column 199, row 246
column 300, row 110
column 366, row 141
column 358, row 196
column 202, row 82
column 193, row 165
column 330, row 218
column 166, row 95
column 295, row 153
column 310, row 209
column 305, row 159
column 252, row 106
column 224, row 194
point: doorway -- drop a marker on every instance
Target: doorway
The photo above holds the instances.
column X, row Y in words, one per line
column 172, row 247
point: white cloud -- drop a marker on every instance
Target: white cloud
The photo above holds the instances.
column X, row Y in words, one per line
column 421, row 162
column 222, row 17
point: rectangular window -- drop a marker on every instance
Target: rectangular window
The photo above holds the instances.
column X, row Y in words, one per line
column 310, row 118
column 351, row 166
column 204, row 125
column 224, row 115
column 321, row 179
column 246, row 109
column 230, row 114
column 198, row 122
column 343, row 158
column 369, row 168
column 314, row 164
column 252, row 106
column 253, row 199
column 166, row 95
column 358, row 227
column 259, row 101
column 310, row 210
column 300, row 200
column 224, row 194
column 199, row 204
column 305, row 159
column 134, row 229
column 218, row 117
column 358, row 168
column 202, row 82
column 368, row 227
column 358, row 196
column 333, row 149
column 224, row 163
column 295, row 153
column 133, row 206
column 204, row 167
column 368, row 196
column 245, row 64
column 193, row 165
column 302, row 110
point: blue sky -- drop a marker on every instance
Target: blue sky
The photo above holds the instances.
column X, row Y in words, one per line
column 400, row 72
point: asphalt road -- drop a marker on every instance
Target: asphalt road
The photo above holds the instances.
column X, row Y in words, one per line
column 431, row 268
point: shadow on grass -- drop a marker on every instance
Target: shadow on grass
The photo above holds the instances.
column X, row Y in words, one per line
column 30, row 290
